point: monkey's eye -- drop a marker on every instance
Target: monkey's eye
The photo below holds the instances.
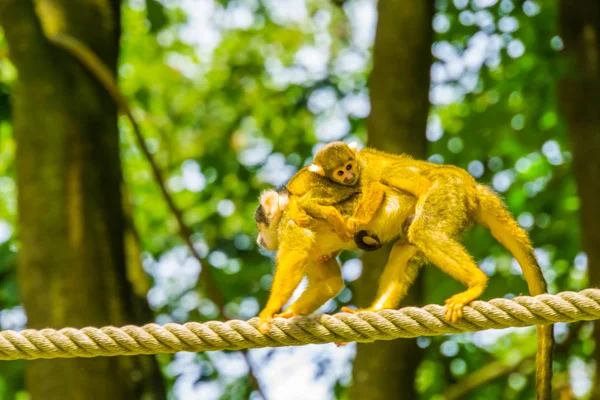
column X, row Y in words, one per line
column 348, row 167
column 340, row 172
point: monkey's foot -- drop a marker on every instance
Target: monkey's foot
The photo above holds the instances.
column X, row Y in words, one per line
column 354, row 311
column 287, row 314
column 455, row 305
column 264, row 325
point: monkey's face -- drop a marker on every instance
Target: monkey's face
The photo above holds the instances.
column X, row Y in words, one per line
column 338, row 162
column 347, row 174
column 267, row 218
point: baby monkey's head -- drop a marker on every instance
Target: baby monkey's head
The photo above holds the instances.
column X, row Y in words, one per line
column 338, row 162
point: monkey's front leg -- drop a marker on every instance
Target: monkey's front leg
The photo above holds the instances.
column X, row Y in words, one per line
column 452, row 258
column 292, row 258
column 324, row 282
column 370, row 200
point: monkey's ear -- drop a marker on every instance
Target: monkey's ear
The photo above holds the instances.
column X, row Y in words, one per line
column 270, row 202
column 353, row 148
column 317, row 169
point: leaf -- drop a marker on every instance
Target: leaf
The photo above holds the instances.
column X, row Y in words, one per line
column 156, row 15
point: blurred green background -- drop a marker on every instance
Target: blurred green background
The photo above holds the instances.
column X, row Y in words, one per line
column 234, row 97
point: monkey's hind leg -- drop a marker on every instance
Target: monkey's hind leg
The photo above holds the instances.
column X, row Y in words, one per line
column 400, row 272
column 440, row 218
column 324, row 282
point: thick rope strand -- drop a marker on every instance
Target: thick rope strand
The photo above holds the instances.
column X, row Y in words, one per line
column 407, row 322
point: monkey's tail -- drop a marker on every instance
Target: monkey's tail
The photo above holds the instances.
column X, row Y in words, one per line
column 493, row 214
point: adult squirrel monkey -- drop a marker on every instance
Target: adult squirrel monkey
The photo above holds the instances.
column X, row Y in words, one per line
column 448, row 201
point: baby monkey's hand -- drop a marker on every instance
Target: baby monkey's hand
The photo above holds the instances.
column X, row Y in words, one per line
column 339, row 227
column 302, row 219
column 352, row 225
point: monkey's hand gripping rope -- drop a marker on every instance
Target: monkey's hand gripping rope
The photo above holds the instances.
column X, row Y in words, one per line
column 343, row 327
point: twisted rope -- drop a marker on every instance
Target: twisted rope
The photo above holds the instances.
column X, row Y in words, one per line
column 407, row 322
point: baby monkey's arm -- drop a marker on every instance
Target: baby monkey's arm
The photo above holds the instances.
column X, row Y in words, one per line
column 298, row 215
column 401, row 178
column 369, row 203
column 301, row 208
column 321, row 209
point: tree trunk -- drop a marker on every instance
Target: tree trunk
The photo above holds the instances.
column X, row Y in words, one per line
column 399, row 90
column 579, row 98
column 71, row 259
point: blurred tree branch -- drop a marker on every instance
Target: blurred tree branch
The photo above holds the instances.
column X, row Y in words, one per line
column 488, row 373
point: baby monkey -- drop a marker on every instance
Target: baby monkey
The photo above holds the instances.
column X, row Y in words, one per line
column 317, row 196
column 367, row 171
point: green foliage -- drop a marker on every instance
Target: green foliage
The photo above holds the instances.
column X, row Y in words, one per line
column 156, row 15
column 233, row 96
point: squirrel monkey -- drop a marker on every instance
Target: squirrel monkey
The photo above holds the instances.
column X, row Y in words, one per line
column 448, row 201
column 368, row 170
